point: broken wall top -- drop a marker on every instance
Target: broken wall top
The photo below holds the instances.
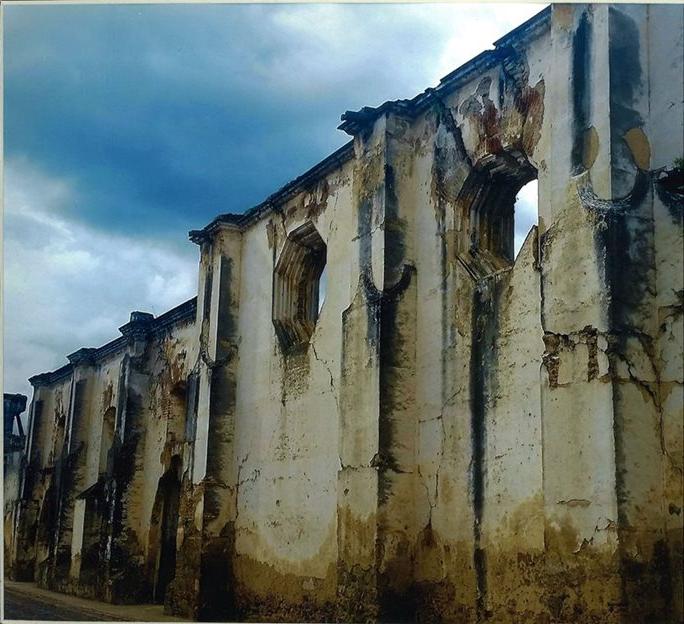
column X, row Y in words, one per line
column 140, row 326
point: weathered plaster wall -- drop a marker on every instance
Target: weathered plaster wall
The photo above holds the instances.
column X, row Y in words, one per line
column 666, row 40
column 11, row 483
column 92, row 472
column 462, row 435
column 287, row 419
column 14, row 442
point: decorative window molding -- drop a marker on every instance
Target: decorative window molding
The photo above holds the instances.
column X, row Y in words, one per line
column 487, row 201
column 296, row 284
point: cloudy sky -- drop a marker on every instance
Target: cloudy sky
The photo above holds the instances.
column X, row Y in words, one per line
column 125, row 126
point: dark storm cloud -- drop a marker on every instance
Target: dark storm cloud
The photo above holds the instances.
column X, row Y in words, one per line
column 152, row 122
column 167, row 115
column 127, row 125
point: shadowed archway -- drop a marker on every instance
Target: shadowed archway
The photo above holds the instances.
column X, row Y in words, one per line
column 163, row 530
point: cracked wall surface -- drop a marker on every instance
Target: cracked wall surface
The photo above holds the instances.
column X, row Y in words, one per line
column 461, row 434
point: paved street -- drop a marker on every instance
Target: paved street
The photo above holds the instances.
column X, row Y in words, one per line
column 18, row 606
column 25, row 601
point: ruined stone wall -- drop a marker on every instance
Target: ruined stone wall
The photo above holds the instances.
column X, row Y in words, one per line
column 286, row 444
column 666, row 41
column 461, row 433
column 171, row 360
column 93, row 437
column 45, row 477
column 13, row 452
column 103, row 431
column 480, row 492
column 11, row 482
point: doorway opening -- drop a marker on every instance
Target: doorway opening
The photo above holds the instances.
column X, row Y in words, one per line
column 166, row 504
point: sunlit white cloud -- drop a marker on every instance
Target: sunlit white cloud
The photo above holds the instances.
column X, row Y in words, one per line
column 68, row 285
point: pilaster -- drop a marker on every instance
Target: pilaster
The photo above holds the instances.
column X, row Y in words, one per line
column 603, row 461
column 378, row 422
column 80, row 412
column 202, row 587
column 123, row 578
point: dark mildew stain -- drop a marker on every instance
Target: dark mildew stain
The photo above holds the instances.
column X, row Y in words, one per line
column 207, row 293
column 482, row 365
column 226, row 327
column 395, row 248
column 394, row 354
column 581, row 93
column 624, row 238
column 478, row 432
column 669, row 186
column 626, row 81
column 365, row 238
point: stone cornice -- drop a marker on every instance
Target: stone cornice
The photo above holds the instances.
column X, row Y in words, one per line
column 354, row 122
column 140, row 327
column 273, row 203
column 84, row 355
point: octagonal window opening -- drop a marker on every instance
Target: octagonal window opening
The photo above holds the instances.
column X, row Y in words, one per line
column 299, row 286
column 500, row 200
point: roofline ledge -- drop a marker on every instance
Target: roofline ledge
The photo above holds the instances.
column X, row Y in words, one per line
column 84, row 355
column 41, row 379
column 228, row 220
column 355, row 122
column 273, row 203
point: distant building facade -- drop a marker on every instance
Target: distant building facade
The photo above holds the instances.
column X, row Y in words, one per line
column 456, row 434
column 13, row 405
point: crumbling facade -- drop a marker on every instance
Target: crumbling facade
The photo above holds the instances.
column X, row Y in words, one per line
column 13, row 405
column 453, row 434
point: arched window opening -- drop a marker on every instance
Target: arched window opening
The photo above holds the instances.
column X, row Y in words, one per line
column 488, row 204
column 297, row 286
column 177, row 411
column 322, row 288
column 107, row 439
column 526, row 213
